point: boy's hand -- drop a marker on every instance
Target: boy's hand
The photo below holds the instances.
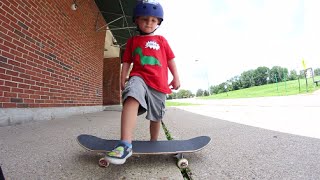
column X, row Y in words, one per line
column 175, row 84
column 123, row 83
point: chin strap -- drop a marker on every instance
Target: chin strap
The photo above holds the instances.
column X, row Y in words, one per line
column 143, row 33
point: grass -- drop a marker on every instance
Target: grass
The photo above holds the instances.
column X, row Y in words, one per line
column 186, row 172
column 173, row 103
column 166, row 131
column 276, row 89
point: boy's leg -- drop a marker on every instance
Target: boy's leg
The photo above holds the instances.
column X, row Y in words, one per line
column 129, row 118
column 128, row 122
column 154, row 130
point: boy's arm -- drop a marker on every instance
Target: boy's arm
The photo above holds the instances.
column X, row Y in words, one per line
column 124, row 74
column 175, row 83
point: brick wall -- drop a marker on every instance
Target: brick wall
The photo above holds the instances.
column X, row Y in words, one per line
column 50, row 56
column 111, row 81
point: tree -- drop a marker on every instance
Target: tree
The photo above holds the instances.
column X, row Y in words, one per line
column 182, row 93
column 278, row 74
column 317, row 72
column 247, row 79
column 293, row 75
column 215, row 89
column 199, row 93
column 206, row 93
column 234, row 83
column 173, row 95
column 260, row 76
column 285, row 73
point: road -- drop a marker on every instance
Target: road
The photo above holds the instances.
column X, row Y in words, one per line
column 297, row 114
column 48, row 149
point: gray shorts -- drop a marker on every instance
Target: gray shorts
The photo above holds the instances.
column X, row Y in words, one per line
column 150, row 100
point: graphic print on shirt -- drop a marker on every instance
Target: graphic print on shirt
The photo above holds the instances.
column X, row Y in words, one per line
column 150, row 60
column 152, row 45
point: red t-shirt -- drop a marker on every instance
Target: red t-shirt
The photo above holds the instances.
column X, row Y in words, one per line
column 150, row 56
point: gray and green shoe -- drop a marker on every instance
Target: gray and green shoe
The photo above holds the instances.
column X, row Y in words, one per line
column 120, row 153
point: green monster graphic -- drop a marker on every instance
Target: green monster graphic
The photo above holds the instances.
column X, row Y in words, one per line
column 146, row 59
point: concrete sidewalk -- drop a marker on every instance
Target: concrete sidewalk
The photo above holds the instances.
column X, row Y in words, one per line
column 48, row 150
column 297, row 114
column 245, row 152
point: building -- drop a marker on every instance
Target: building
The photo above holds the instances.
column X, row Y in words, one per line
column 59, row 58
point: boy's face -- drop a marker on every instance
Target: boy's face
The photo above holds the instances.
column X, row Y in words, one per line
column 147, row 24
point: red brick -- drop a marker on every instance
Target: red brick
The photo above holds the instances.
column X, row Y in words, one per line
column 22, row 105
column 9, row 105
column 10, row 84
column 17, row 90
column 3, row 30
column 4, row 99
column 29, row 101
column 25, row 76
column 4, row 88
column 2, row 71
column 29, row 82
column 16, row 53
column 5, row 21
column 23, row 96
column 18, row 69
column 7, row 10
column 24, row 86
column 7, row 55
column 12, row 73
column 6, row 77
column 19, row 44
column 10, row 45
column 9, row 94
column 4, row 48
column 17, row 79
column 36, row 88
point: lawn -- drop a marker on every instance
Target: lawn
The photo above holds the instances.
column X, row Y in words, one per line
column 173, row 103
column 277, row 89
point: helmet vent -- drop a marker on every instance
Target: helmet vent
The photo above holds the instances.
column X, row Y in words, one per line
column 154, row 7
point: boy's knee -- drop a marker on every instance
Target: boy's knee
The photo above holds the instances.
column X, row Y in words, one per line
column 131, row 100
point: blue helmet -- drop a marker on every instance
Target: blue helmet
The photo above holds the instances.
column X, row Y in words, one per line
column 148, row 8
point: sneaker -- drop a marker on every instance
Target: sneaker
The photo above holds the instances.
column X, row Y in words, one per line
column 119, row 154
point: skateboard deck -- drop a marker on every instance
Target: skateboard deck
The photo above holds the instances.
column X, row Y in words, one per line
column 93, row 143
column 178, row 147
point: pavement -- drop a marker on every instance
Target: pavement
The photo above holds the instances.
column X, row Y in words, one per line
column 297, row 114
column 48, row 149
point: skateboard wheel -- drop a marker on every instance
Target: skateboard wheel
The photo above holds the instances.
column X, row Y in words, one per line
column 103, row 163
column 182, row 163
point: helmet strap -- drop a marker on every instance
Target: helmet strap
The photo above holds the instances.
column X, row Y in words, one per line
column 144, row 33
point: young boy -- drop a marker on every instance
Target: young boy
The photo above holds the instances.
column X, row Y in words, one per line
column 147, row 86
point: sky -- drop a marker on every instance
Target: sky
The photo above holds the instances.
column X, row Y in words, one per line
column 215, row 40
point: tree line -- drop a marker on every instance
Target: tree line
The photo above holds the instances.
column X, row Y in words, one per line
column 256, row 77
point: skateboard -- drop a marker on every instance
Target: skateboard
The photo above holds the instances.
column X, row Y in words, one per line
column 177, row 147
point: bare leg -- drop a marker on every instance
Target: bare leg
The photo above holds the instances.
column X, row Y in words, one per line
column 129, row 118
column 154, row 130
